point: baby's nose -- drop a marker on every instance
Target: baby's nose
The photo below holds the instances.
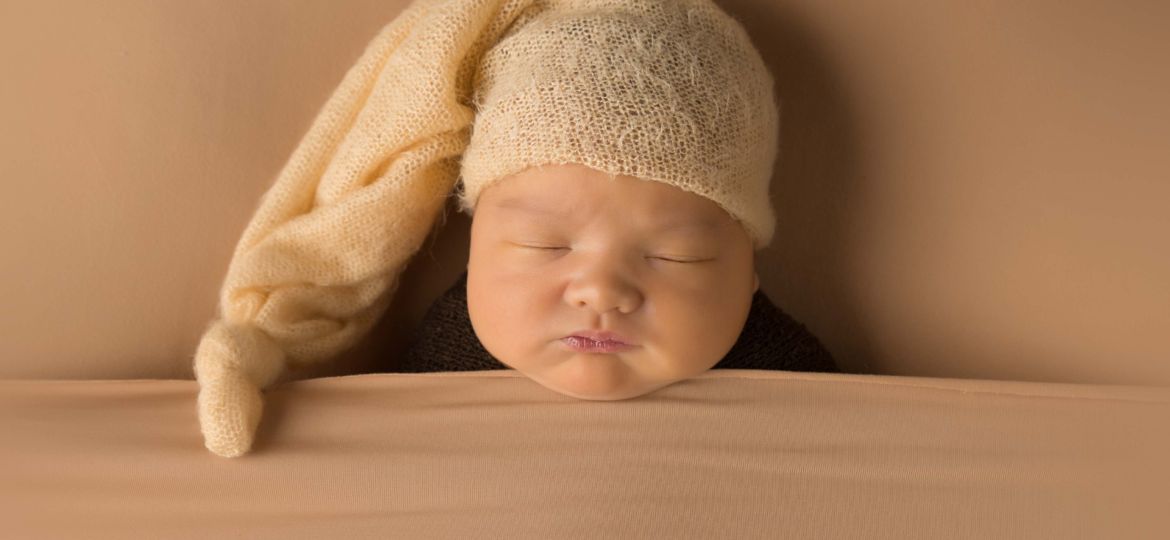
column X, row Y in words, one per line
column 602, row 292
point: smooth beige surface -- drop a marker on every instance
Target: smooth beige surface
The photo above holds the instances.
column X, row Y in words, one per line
column 965, row 189
column 732, row 454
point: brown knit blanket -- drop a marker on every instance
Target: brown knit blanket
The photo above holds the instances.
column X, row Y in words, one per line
column 771, row 339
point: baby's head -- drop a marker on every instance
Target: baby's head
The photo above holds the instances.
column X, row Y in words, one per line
column 618, row 176
column 560, row 249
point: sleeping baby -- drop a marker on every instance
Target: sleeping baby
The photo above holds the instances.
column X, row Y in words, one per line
column 615, row 156
column 607, row 289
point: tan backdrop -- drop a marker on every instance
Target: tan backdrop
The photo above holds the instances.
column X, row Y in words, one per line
column 969, row 190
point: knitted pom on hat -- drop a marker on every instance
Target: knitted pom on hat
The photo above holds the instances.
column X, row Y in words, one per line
column 665, row 90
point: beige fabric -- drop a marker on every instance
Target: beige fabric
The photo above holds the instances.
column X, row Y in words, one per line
column 734, row 454
column 320, row 259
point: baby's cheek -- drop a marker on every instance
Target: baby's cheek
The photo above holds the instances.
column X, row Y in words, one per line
column 696, row 340
column 503, row 326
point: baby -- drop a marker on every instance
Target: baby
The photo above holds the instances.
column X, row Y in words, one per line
column 615, row 156
column 667, row 274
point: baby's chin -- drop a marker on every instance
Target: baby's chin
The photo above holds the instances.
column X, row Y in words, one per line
column 594, row 377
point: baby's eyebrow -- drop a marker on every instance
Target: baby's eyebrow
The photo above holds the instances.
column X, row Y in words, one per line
column 524, row 205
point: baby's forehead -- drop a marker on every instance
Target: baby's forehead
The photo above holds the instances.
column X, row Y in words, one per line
column 544, row 205
column 646, row 196
column 571, row 183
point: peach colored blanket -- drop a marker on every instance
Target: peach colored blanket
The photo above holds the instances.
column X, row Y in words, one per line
column 730, row 454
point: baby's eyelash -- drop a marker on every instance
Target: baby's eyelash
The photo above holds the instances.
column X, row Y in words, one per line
column 553, row 248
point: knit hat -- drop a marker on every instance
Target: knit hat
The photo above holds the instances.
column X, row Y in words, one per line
column 664, row 90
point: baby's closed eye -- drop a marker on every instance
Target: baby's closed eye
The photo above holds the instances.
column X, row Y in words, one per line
column 672, row 257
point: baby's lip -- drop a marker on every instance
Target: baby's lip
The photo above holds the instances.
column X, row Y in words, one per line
column 602, row 335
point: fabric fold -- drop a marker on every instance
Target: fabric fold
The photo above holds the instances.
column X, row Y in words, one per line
column 320, row 259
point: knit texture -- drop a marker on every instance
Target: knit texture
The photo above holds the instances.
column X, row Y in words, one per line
column 671, row 90
column 664, row 90
column 771, row 339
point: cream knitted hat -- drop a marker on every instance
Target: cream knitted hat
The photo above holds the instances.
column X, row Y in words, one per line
column 665, row 90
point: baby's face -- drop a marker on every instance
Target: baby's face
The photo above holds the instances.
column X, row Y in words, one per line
column 562, row 248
